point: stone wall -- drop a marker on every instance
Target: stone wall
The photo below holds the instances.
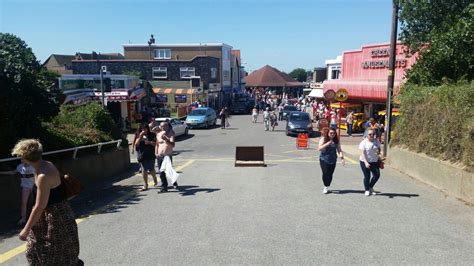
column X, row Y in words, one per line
column 88, row 169
column 202, row 65
column 454, row 181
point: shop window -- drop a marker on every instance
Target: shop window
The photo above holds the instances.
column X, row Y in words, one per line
column 161, row 98
column 213, row 73
column 162, row 53
column 187, row 72
column 160, row 72
column 180, row 98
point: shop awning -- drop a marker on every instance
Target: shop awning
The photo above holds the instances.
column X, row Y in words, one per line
column 122, row 95
column 173, row 91
column 318, row 93
column 365, row 90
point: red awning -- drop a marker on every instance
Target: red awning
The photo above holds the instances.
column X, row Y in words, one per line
column 368, row 90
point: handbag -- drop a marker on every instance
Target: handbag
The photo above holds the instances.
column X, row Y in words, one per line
column 381, row 164
column 72, row 186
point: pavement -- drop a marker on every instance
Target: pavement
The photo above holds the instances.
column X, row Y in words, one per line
column 223, row 214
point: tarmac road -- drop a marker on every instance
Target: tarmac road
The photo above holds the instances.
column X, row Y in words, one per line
column 266, row 215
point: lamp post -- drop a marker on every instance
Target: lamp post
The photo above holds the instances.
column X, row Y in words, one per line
column 150, row 42
column 391, row 75
column 103, row 69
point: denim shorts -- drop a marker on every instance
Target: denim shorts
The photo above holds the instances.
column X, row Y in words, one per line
column 148, row 165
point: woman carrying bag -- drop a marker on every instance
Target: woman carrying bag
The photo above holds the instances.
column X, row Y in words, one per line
column 51, row 230
column 369, row 161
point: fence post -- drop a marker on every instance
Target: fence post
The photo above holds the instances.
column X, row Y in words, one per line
column 75, row 153
column 119, row 143
column 99, row 147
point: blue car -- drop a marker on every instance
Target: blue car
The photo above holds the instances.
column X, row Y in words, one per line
column 201, row 117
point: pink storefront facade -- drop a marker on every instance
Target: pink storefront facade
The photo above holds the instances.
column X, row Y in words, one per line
column 365, row 73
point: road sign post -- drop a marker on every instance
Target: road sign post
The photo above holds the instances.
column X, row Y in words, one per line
column 341, row 96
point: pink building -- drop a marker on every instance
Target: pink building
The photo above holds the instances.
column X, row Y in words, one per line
column 365, row 73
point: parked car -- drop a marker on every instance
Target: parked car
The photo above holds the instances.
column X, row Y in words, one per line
column 179, row 127
column 240, row 108
column 288, row 109
column 298, row 122
column 201, row 117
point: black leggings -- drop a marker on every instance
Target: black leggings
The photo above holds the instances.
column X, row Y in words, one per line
column 328, row 171
column 369, row 183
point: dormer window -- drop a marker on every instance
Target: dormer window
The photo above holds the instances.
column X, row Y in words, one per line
column 162, row 53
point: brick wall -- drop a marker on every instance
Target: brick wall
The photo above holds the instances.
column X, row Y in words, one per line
column 202, row 67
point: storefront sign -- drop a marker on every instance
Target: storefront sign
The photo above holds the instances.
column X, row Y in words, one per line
column 330, row 95
column 382, row 52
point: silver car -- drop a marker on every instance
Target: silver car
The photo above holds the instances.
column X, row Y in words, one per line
column 180, row 128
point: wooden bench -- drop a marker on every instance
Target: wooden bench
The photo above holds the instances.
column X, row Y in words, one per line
column 246, row 156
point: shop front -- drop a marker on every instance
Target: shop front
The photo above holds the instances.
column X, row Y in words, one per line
column 122, row 94
column 176, row 100
column 365, row 75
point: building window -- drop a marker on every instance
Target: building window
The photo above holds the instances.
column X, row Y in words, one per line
column 226, row 75
column 160, row 72
column 162, row 53
column 336, row 72
column 213, row 73
column 187, row 72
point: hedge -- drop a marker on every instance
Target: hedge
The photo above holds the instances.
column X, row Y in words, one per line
column 438, row 121
column 78, row 126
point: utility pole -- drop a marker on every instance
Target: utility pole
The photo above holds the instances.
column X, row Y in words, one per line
column 391, row 75
column 102, row 70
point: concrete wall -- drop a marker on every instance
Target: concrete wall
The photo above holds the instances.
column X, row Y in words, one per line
column 448, row 178
column 87, row 169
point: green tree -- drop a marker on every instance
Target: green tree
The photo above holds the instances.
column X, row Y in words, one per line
column 443, row 32
column 299, row 74
column 25, row 98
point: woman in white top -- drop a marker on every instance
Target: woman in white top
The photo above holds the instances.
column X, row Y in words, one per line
column 254, row 114
column 370, row 149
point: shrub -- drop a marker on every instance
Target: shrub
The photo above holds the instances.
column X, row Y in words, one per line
column 91, row 116
column 438, row 121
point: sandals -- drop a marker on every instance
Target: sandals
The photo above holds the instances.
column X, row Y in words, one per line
column 143, row 188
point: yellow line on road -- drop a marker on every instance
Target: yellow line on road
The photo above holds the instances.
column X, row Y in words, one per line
column 22, row 248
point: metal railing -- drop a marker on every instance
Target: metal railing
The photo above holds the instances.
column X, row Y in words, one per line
column 75, row 149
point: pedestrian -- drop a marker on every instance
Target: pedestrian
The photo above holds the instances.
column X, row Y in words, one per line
column 280, row 112
column 273, row 120
column 27, row 173
column 223, row 116
column 254, row 114
column 266, row 119
column 370, row 150
column 165, row 142
column 145, row 144
column 329, row 146
column 51, row 230
column 333, row 121
column 349, row 121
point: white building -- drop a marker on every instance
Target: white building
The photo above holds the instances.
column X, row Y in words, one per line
column 334, row 68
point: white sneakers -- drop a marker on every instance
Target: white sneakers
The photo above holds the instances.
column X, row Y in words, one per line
column 370, row 192
column 326, row 190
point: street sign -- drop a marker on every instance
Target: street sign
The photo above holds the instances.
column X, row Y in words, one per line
column 330, row 95
column 342, row 95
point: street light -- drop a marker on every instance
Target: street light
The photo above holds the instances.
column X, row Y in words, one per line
column 150, row 42
column 391, row 75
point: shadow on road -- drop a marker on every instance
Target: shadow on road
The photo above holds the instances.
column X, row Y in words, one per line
column 192, row 190
column 184, row 137
column 390, row 195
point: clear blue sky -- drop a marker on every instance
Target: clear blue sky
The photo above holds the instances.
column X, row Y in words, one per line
column 283, row 33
